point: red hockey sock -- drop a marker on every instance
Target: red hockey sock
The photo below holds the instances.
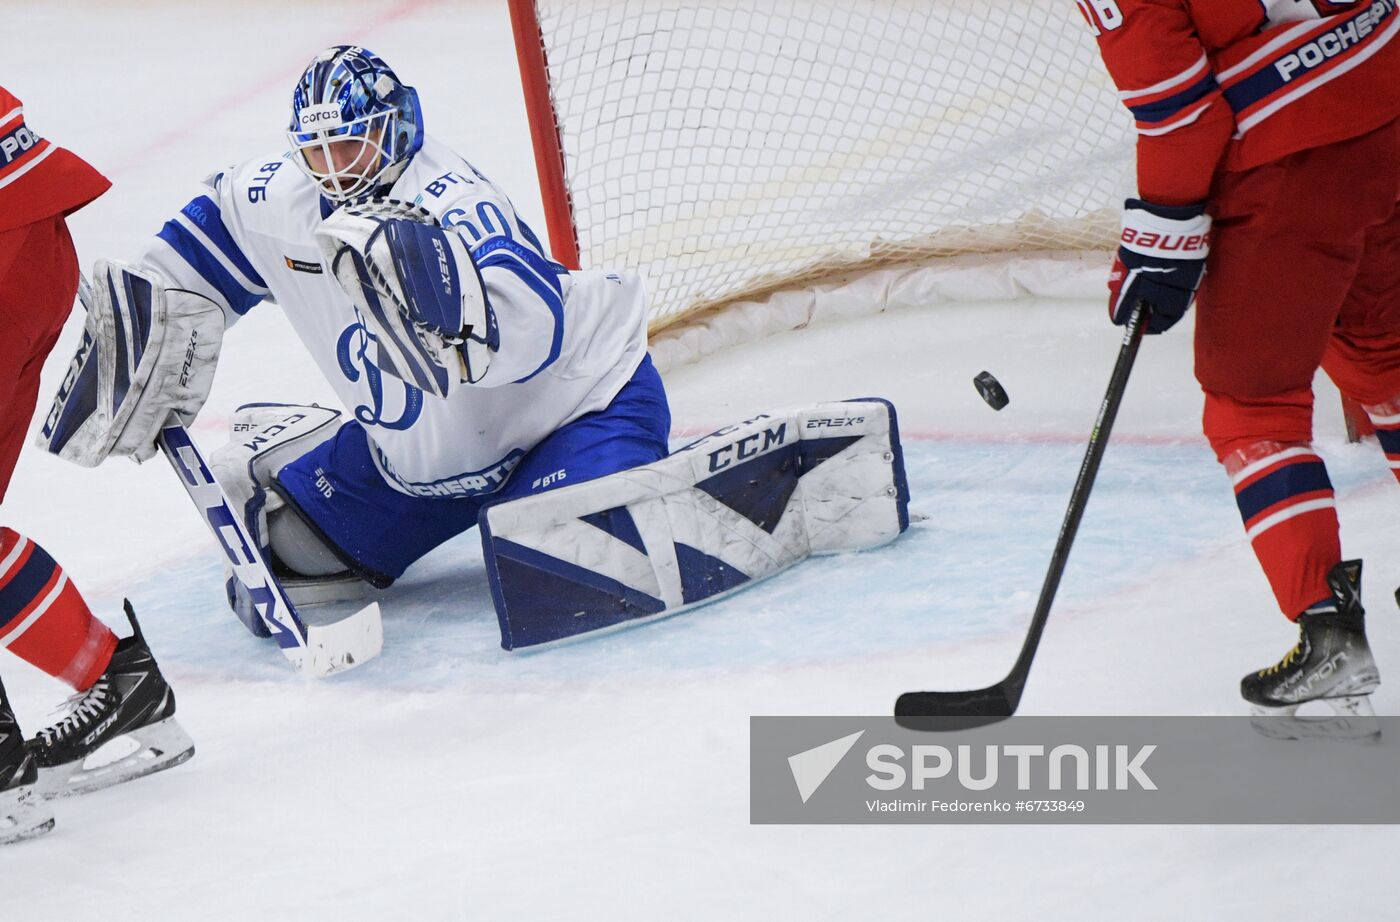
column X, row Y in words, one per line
column 1286, row 501
column 1386, row 418
column 43, row 618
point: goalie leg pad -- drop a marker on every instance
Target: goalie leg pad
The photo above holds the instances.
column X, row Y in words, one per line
column 146, row 352
column 730, row 509
column 264, row 438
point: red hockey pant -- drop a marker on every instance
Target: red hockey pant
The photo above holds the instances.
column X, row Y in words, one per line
column 43, row 618
column 38, row 280
column 1304, row 272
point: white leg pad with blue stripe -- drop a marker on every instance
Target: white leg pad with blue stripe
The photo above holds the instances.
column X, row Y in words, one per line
column 716, row 516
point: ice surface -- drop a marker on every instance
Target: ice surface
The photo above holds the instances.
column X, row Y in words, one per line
column 608, row 779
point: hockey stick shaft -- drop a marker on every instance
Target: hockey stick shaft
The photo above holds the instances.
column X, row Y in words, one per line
column 278, row 614
column 316, row 650
column 996, row 702
column 1079, row 496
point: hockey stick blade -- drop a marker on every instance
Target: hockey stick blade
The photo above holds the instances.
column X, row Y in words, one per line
column 344, row 644
column 934, row 710
column 316, row 650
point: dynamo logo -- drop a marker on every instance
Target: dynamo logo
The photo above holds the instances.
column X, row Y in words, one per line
column 353, row 351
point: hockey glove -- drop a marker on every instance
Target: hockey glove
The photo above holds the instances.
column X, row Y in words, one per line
column 1161, row 258
column 147, row 351
column 418, row 290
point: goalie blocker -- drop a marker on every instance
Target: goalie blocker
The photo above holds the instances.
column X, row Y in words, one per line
column 720, row 514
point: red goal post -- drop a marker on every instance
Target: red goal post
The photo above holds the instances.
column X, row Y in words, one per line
column 544, row 132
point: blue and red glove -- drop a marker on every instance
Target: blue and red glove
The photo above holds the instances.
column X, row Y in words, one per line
column 1161, row 258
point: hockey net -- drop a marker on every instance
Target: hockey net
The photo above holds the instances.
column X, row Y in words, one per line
column 728, row 149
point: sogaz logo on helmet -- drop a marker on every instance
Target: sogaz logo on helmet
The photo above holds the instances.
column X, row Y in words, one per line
column 321, row 115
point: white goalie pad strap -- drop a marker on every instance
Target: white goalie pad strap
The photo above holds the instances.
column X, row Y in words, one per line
column 725, row 511
column 146, row 352
column 418, row 290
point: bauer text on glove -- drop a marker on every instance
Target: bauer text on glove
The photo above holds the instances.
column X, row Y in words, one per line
column 1161, row 258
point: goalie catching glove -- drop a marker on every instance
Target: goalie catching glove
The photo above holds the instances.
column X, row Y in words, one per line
column 147, row 351
column 417, row 289
column 1161, row 258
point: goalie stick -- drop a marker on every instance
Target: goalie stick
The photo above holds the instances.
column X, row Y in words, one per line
column 316, row 650
column 922, row 710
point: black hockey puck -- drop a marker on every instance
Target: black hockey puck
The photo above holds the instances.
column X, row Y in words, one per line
column 991, row 390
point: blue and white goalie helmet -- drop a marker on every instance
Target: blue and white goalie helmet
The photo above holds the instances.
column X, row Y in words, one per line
column 354, row 123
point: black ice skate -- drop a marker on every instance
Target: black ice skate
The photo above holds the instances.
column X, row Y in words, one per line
column 130, row 700
column 1331, row 663
column 23, row 814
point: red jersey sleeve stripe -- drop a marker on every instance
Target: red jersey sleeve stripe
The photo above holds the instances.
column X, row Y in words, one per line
column 1166, row 87
column 1167, row 108
column 1181, row 120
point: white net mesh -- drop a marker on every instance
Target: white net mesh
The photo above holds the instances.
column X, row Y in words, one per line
column 730, row 147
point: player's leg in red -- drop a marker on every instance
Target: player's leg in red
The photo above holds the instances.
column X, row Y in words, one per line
column 22, row 813
column 1363, row 357
column 43, row 618
column 1287, row 244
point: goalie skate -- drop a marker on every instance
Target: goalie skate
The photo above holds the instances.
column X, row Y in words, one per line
column 129, row 705
column 1331, row 664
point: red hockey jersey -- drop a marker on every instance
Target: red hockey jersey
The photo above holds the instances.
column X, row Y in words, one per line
column 1240, row 83
column 39, row 179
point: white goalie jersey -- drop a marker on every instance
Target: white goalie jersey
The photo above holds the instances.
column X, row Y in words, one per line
column 569, row 341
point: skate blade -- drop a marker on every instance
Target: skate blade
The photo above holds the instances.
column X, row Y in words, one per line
column 158, row 746
column 23, row 815
column 1353, row 720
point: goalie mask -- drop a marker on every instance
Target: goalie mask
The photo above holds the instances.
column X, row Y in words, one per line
column 354, row 125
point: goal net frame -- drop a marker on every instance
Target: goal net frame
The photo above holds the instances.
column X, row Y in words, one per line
column 1035, row 253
